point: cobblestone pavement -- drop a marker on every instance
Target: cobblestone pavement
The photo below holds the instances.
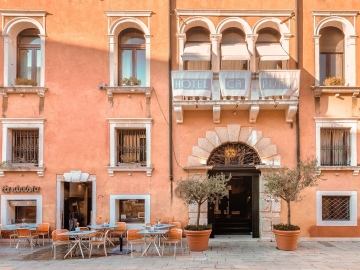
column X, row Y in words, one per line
column 224, row 253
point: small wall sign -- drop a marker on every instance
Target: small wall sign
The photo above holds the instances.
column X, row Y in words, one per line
column 18, row 188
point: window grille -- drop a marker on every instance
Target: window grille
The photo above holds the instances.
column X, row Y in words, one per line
column 132, row 146
column 336, row 207
column 25, row 146
column 335, row 147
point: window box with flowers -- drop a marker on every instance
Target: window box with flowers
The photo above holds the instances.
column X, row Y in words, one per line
column 130, row 81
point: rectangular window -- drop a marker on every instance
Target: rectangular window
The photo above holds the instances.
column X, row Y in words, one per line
column 132, row 146
column 335, row 147
column 25, row 146
column 331, row 65
column 132, row 211
column 234, row 64
column 336, row 207
column 197, row 65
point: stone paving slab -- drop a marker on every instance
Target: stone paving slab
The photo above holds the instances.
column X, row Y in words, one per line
column 221, row 254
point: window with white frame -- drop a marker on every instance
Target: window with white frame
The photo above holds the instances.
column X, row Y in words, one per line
column 134, row 209
column 336, row 208
column 130, row 139
column 336, row 141
column 22, row 141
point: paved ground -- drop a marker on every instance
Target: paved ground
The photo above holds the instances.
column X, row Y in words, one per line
column 223, row 253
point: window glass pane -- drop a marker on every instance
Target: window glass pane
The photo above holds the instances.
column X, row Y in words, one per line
column 141, row 66
column 25, row 63
column 132, row 146
column 132, row 211
column 25, row 146
column 322, row 68
column 23, row 209
column 197, row 65
column 335, row 147
column 126, row 63
column 132, row 36
column 38, row 65
column 30, row 40
column 233, row 64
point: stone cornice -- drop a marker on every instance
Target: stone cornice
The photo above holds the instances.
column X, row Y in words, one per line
column 128, row 13
column 232, row 12
column 343, row 13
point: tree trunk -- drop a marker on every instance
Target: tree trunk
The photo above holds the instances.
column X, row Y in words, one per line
column 288, row 213
column 198, row 215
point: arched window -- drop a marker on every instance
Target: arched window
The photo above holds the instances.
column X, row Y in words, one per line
column 132, row 56
column 270, row 54
column 234, row 50
column 29, row 55
column 331, row 53
column 197, row 49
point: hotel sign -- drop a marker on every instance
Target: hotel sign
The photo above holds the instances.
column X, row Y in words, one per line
column 192, row 83
column 235, row 82
column 18, row 188
column 279, row 82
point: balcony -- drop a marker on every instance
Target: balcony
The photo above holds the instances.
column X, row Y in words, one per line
column 236, row 90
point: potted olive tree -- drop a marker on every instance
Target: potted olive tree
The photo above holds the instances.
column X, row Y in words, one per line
column 195, row 190
column 287, row 183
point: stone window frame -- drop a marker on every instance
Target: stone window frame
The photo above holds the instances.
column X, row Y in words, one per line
column 353, row 208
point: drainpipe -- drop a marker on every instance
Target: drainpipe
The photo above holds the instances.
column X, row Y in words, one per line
column 170, row 112
column 297, row 67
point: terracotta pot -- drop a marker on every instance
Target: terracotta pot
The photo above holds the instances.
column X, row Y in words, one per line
column 197, row 240
column 286, row 240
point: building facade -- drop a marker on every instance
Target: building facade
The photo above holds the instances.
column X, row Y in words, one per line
column 127, row 98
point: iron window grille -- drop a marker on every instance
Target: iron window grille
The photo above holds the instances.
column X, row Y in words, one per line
column 336, row 207
column 25, row 146
column 131, row 146
column 335, row 147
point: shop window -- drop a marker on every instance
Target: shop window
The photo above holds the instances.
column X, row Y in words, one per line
column 336, row 208
column 331, row 53
column 335, row 147
column 132, row 56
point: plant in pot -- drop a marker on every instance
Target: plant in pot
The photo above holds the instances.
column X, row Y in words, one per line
column 24, row 81
column 134, row 81
column 197, row 190
column 125, row 81
column 287, row 183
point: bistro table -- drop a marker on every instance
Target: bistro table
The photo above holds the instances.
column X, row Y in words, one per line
column 103, row 229
column 78, row 235
column 154, row 237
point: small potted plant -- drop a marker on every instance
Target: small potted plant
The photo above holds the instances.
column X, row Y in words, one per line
column 287, row 183
column 330, row 81
column 24, row 82
column 195, row 190
column 125, row 81
column 134, row 81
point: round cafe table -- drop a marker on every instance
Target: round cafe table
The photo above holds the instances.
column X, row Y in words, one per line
column 154, row 236
column 103, row 229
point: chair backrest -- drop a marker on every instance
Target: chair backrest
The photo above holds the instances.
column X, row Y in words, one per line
column 132, row 234
column 43, row 227
column 55, row 235
column 176, row 224
column 23, row 232
column 151, row 223
column 122, row 226
column 83, row 228
column 175, row 233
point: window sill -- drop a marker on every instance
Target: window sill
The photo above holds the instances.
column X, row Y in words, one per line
column 355, row 169
column 336, row 89
column 39, row 170
column 129, row 168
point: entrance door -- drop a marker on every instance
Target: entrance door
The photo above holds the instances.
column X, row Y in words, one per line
column 238, row 213
column 77, row 204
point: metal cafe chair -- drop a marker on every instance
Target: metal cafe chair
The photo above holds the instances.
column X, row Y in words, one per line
column 24, row 234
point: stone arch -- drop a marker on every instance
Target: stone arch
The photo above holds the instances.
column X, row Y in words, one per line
column 197, row 21
column 338, row 22
column 234, row 22
column 233, row 133
column 15, row 26
column 272, row 23
column 124, row 23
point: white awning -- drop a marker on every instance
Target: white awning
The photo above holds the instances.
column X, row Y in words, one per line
column 237, row 51
column 196, row 52
column 271, row 52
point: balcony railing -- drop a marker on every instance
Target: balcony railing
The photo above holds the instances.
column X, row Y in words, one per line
column 236, row 90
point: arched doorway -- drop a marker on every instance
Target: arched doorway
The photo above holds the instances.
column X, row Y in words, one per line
column 237, row 214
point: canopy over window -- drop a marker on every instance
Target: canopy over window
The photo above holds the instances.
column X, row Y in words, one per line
column 237, row 51
column 271, row 52
column 196, row 52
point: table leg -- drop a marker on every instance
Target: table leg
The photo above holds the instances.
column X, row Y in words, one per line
column 71, row 249
column 121, row 242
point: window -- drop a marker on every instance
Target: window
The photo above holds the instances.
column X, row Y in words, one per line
column 335, row 147
column 336, row 143
column 133, row 209
column 23, row 142
column 132, row 54
column 233, row 36
column 130, row 141
column 132, row 146
column 25, row 146
column 29, row 55
column 197, row 51
column 331, row 53
column 336, row 208
column 16, row 207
